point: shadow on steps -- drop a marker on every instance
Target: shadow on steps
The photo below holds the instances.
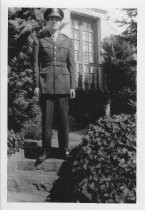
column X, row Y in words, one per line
column 62, row 188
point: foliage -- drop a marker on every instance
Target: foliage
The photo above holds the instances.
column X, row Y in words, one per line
column 130, row 34
column 119, row 55
column 15, row 142
column 102, row 169
column 20, row 98
column 119, row 65
column 106, row 161
column 23, row 25
column 32, row 129
column 72, row 124
column 86, row 107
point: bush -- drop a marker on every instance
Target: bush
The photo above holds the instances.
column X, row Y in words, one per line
column 72, row 124
column 32, row 130
column 124, row 101
column 119, row 67
column 105, row 167
column 102, row 168
column 15, row 142
column 87, row 107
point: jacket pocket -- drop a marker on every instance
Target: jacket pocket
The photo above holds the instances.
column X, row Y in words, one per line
column 63, row 52
column 44, row 70
column 64, row 71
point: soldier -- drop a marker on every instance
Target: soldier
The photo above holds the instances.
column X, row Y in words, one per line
column 54, row 80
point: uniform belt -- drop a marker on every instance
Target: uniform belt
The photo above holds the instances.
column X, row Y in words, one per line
column 55, row 63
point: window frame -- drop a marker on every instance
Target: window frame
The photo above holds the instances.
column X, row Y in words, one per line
column 87, row 70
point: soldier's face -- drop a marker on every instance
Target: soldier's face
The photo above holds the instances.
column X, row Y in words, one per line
column 54, row 23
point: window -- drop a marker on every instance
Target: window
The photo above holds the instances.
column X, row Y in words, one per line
column 84, row 49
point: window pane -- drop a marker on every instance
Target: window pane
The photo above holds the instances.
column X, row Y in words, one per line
column 91, row 47
column 86, row 57
column 85, row 47
column 85, row 36
column 84, row 26
column 91, row 57
column 86, row 69
column 76, row 53
column 76, row 45
column 91, row 39
column 91, row 69
column 90, row 27
column 76, row 34
column 72, row 33
column 72, row 23
column 76, row 24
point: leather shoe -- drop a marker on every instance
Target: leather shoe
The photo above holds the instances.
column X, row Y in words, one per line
column 67, row 154
column 43, row 157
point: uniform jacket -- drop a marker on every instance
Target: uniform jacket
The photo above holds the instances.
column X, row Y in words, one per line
column 54, row 67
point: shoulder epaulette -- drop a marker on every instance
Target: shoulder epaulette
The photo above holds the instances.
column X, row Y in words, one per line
column 66, row 36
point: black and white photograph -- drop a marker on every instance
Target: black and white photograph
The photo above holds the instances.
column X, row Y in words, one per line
column 71, row 105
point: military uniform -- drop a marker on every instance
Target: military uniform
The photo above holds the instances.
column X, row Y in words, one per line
column 54, row 74
column 54, row 67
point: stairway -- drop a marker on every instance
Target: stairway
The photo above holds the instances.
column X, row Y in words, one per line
column 28, row 182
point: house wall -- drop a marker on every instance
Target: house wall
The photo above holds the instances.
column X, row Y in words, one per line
column 96, row 15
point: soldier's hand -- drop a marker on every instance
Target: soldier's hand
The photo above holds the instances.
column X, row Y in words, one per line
column 37, row 92
column 72, row 93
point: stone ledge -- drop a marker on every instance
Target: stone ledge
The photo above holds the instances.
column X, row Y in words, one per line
column 12, row 161
column 27, row 197
column 48, row 165
column 31, row 181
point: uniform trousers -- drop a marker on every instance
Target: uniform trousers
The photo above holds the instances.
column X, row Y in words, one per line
column 59, row 104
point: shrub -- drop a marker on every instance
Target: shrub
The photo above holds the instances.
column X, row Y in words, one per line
column 32, row 130
column 124, row 101
column 102, row 169
column 15, row 142
column 86, row 107
column 119, row 67
column 72, row 123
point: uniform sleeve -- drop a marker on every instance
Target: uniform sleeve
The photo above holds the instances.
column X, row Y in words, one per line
column 36, row 63
column 71, row 65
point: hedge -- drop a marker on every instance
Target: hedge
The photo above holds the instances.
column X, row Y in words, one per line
column 102, row 169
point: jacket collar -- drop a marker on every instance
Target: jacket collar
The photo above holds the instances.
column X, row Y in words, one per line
column 59, row 39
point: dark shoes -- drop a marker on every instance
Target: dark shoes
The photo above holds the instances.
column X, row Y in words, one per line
column 65, row 154
column 43, row 157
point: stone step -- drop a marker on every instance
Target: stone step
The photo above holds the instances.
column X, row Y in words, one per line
column 28, row 197
column 31, row 181
column 50, row 164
